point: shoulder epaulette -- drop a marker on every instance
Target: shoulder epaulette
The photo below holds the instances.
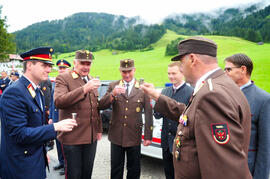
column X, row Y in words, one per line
column 210, row 85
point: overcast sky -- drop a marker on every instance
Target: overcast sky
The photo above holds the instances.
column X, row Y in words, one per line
column 21, row 13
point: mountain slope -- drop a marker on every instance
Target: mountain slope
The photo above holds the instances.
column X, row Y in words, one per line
column 152, row 65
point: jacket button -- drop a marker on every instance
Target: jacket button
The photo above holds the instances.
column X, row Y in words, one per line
column 169, row 123
column 126, row 109
column 127, row 101
column 170, row 133
column 125, row 125
column 25, row 152
column 125, row 117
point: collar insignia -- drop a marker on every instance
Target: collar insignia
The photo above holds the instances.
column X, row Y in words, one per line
column 74, row 75
column 198, row 89
column 137, row 84
column 31, row 90
column 121, row 83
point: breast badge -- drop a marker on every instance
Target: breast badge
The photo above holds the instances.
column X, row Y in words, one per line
column 178, row 142
column 183, row 120
column 138, row 109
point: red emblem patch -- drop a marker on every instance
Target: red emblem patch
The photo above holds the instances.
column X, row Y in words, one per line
column 220, row 132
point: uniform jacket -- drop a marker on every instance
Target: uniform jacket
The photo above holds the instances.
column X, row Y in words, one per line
column 46, row 87
column 70, row 98
column 169, row 127
column 54, row 112
column 4, row 83
column 259, row 150
column 126, row 124
column 23, row 133
column 213, row 142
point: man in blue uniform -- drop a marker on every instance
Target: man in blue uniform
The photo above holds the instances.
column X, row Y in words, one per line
column 180, row 92
column 23, row 133
column 239, row 67
column 4, row 81
column 63, row 66
column 14, row 76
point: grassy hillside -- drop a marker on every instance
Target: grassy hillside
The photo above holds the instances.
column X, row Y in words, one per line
column 152, row 65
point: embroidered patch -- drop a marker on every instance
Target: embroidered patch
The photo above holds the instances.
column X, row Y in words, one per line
column 220, row 132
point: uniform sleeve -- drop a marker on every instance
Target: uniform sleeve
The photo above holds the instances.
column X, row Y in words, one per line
column 105, row 101
column 157, row 114
column 16, row 119
column 262, row 163
column 169, row 107
column 148, row 114
column 63, row 97
column 221, row 159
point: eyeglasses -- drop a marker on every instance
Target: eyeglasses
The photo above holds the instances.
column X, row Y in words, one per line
column 228, row 69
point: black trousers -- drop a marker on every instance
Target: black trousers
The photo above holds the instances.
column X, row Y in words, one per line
column 79, row 160
column 168, row 164
column 118, row 159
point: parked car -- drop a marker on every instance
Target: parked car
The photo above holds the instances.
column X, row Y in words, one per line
column 153, row 150
column 105, row 114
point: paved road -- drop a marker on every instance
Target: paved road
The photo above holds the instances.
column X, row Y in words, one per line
column 150, row 168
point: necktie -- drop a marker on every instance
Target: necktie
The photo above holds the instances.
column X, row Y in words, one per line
column 85, row 79
column 174, row 90
column 39, row 98
column 127, row 85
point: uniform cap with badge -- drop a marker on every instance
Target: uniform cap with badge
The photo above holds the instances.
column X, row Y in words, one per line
column 42, row 54
column 63, row 63
column 84, row 55
column 15, row 74
column 197, row 45
column 126, row 64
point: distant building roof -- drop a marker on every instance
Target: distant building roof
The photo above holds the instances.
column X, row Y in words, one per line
column 14, row 57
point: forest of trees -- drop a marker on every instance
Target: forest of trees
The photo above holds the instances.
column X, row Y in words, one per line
column 95, row 31
column 7, row 44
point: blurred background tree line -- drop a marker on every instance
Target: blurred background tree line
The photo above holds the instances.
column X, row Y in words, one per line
column 7, row 44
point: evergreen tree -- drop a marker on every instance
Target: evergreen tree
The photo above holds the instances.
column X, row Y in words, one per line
column 7, row 44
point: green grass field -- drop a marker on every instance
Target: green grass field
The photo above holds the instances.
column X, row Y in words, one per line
column 152, row 65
